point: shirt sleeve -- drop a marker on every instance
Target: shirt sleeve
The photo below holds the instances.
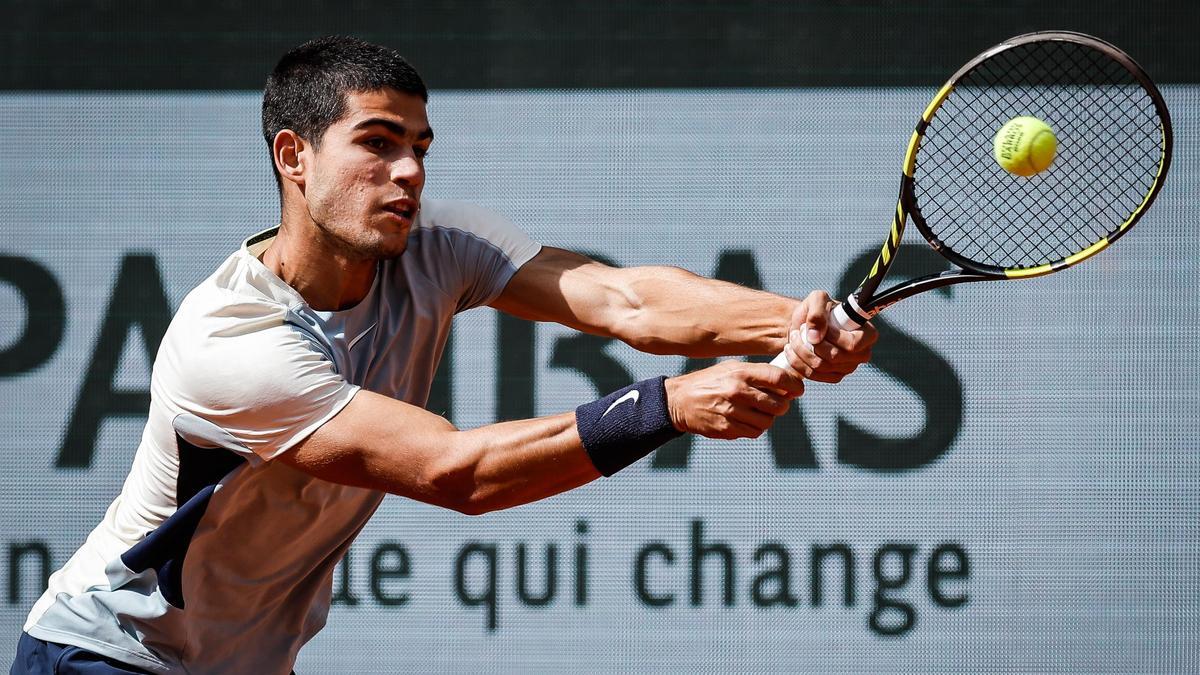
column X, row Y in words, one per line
column 483, row 248
column 268, row 389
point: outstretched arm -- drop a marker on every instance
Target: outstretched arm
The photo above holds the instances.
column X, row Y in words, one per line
column 667, row 310
column 382, row 444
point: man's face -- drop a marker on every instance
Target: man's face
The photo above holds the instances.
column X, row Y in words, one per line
column 364, row 185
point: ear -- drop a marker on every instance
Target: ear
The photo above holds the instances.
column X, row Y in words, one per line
column 290, row 153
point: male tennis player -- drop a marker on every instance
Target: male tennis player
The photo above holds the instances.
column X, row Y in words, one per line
column 287, row 393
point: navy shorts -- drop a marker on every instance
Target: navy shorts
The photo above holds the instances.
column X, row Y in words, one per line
column 38, row 657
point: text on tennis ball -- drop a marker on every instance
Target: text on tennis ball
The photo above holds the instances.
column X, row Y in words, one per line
column 1025, row 146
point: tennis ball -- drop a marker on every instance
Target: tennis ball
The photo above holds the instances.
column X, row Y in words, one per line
column 1025, row 146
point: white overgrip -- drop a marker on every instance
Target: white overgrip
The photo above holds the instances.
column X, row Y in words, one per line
column 838, row 318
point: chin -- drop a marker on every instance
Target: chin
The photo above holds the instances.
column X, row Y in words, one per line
column 384, row 248
column 395, row 251
column 381, row 242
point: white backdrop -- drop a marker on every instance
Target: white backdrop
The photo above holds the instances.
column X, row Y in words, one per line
column 1068, row 489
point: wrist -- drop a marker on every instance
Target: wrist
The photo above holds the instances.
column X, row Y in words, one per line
column 626, row 425
column 671, row 389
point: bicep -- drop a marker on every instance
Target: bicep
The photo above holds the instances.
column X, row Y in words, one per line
column 379, row 443
column 571, row 289
column 264, row 389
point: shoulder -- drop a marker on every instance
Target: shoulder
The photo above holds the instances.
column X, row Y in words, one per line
column 467, row 251
column 470, row 227
column 448, row 213
column 448, row 218
column 247, row 368
column 231, row 337
column 233, row 301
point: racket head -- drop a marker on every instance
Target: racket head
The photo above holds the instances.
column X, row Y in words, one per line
column 1114, row 150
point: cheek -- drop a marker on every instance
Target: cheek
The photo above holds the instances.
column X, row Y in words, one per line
column 341, row 190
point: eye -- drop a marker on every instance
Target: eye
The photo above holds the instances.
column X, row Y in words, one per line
column 420, row 152
column 376, row 142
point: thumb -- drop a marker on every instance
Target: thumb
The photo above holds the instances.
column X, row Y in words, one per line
column 817, row 323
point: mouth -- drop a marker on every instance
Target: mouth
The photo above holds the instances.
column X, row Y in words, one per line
column 406, row 209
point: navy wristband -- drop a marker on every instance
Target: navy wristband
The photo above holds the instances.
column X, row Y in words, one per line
column 626, row 425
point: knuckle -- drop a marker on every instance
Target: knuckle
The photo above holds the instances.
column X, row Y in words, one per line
column 794, row 359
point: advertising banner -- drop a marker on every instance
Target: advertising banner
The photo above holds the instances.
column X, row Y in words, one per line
column 1011, row 484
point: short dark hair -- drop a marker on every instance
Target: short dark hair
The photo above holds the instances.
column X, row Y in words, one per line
column 307, row 90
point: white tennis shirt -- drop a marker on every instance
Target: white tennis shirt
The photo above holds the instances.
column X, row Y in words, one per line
column 215, row 559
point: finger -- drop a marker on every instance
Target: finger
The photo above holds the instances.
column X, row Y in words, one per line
column 852, row 340
column 739, row 429
column 759, row 374
column 833, row 373
column 834, row 359
column 752, row 417
column 828, row 377
column 816, row 316
column 827, row 355
column 797, row 340
column 871, row 332
column 727, row 429
column 802, row 359
column 765, row 402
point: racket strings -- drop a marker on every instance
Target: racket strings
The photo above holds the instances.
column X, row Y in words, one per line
column 1110, row 147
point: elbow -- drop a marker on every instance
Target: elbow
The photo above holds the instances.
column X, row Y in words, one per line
column 468, row 501
column 470, row 508
column 454, row 483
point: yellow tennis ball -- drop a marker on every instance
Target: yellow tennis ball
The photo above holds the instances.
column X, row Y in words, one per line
column 1025, row 146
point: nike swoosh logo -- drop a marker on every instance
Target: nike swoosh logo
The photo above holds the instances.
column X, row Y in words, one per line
column 361, row 336
column 629, row 396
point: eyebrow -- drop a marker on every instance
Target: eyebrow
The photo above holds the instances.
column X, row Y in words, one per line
column 394, row 127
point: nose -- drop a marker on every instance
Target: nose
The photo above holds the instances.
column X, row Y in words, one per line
column 408, row 170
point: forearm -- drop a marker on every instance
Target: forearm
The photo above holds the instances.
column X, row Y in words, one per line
column 512, row 463
column 672, row 311
column 379, row 443
column 661, row 310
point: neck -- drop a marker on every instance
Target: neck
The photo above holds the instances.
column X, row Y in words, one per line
column 323, row 272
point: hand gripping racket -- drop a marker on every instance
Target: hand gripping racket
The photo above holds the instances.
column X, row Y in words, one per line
column 1114, row 149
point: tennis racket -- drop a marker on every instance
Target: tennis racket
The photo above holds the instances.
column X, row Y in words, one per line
column 1114, row 149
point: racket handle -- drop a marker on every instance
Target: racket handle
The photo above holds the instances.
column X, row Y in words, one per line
column 838, row 317
column 842, row 320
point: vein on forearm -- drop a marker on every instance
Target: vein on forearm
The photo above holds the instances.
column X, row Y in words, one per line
column 668, row 310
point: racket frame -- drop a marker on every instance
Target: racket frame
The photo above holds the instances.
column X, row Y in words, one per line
column 864, row 303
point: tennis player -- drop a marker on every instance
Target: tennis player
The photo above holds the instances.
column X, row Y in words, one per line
column 286, row 398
